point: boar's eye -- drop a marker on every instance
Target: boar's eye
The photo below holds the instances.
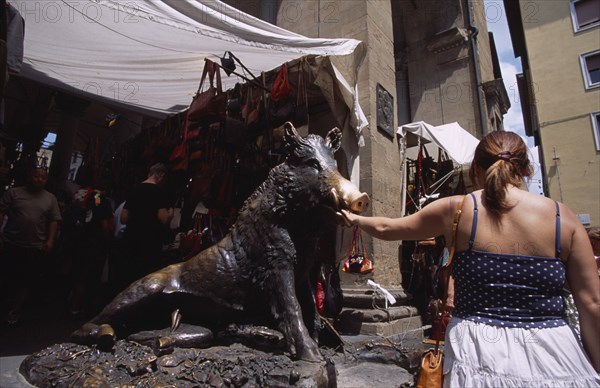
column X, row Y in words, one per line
column 314, row 163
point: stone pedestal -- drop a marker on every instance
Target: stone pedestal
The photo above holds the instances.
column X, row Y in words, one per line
column 365, row 313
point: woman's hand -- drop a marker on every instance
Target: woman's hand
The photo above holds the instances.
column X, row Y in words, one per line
column 348, row 218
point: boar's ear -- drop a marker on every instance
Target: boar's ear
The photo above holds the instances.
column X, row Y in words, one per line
column 334, row 139
column 290, row 136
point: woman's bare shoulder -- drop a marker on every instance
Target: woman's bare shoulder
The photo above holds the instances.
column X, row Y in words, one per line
column 540, row 203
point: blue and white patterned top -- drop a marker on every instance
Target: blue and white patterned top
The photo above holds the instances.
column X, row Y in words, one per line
column 509, row 290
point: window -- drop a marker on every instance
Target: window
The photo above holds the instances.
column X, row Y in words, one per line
column 585, row 14
column 590, row 65
column 596, row 128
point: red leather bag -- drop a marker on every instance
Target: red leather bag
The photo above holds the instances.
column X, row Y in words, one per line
column 251, row 110
column 357, row 261
column 211, row 103
column 191, row 242
column 281, row 86
column 440, row 317
column 320, row 298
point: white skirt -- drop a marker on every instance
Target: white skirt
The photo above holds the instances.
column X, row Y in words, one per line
column 480, row 355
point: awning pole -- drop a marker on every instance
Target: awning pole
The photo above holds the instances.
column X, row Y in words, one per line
column 253, row 82
column 230, row 71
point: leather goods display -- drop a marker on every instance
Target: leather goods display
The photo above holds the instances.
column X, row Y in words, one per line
column 357, row 261
column 209, row 104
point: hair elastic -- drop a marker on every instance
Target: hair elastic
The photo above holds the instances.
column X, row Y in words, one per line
column 505, row 155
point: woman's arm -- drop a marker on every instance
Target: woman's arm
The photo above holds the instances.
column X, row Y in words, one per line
column 433, row 220
column 582, row 276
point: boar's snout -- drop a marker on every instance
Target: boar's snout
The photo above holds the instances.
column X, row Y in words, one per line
column 360, row 204
column 347, row 196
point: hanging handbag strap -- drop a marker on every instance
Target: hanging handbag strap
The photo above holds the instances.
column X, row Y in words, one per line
column 217, row 73
column 213, row 75
column 455, row 230
column 356, row 245
column 360, row 245
column 205, row 72
column 301, row 97
column 352, row 248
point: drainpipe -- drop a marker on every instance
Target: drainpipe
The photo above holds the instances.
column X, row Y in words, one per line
column 473, row 40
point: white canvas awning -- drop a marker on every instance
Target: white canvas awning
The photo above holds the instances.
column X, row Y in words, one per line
column 452, row 138
column 148, row 55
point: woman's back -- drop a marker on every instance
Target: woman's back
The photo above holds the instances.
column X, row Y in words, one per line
column 506, row 280
column 528, row 228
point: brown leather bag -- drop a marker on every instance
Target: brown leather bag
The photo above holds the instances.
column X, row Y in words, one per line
column 211, row 103
column 431, row 372
column 440, row 317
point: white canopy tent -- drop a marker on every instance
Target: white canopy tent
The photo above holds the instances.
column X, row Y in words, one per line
column 456, row 141
column 148, row 55
column 452, row 138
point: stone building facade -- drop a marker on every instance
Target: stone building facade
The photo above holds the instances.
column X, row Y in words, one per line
column 560, row 95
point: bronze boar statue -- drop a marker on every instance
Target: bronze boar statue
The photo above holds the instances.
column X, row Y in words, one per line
column 262, row 266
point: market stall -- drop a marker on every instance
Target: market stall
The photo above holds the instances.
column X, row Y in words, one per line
column 124, row 79
column 428, row 176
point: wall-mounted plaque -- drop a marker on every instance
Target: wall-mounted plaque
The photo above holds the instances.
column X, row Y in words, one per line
column 385, row 111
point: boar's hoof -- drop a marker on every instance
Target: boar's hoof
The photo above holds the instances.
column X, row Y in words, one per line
column 86, row 334
column 310, row 354
column 106, row 338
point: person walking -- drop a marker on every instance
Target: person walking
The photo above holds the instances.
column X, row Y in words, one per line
column 515, row 250
column 27, row 239
column 87, row 231
column 147, row 213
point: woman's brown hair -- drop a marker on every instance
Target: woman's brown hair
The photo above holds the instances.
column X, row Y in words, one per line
column 503, row 157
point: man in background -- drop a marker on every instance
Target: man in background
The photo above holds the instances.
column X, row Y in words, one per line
column 147, row 213
column 27, row 239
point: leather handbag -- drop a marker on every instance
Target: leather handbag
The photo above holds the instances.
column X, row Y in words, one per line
column 281, row 111
column 180, row 154
column 281, row 86
column 431, row 372
column 357, row 261
column 211, row 103
column 281, row 108
column 320, row 297
column 191, row 242
column 252, row 106
column 334, row 297
column 440, row 318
